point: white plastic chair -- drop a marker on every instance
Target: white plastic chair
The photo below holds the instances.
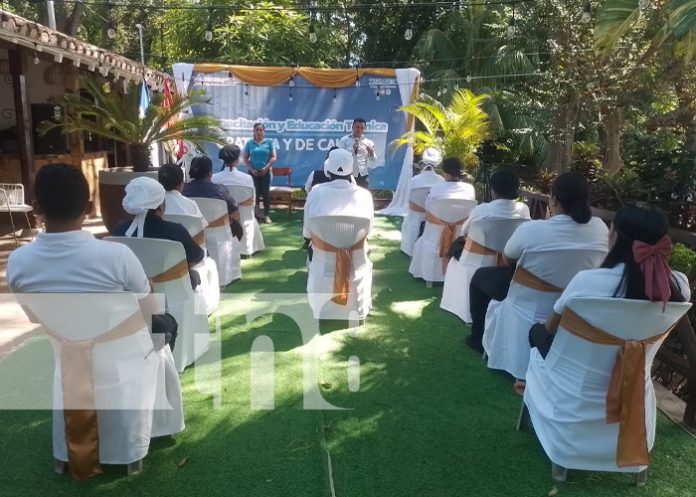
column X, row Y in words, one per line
column 222, row 246
column 12, row 201
column 566, row 392
column 207, row 269
column 341, row 232
column 131, row 382
column 252, row 241
column 412, row 222
column 492, row 234
column 506, row 335
column 426, row 262
column 158, row 256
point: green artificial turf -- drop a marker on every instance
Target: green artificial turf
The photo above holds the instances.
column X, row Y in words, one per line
column 428, row 419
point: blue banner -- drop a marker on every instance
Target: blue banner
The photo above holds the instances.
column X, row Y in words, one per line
column 304, row 120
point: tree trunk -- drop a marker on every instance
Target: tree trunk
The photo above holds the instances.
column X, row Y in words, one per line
column 612, row 161
column 140, row 157
column 562, row 135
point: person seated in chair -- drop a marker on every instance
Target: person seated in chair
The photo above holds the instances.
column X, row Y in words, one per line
column 318, row 176
column 340, row 196
column 230, row 154
column 571, row 225
column 636, row 267
column 427, row 177
column 145, row 200
column 201, row 171
column 171, row 177
column 454, row 185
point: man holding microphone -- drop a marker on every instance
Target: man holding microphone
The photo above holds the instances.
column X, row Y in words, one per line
column 363, row 150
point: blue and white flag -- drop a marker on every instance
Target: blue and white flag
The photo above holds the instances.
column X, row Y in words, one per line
column 144, row 100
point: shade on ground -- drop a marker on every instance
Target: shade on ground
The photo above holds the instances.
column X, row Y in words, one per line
column 429, row 418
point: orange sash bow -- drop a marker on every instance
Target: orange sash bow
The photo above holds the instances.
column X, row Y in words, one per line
column 530, row 280
column 448, row 232
column 476, row 248
column 415, row 207
column 223, row 220
column 81, row 427
column 626, row 393
column 199, row 238
column 176, row 271
column 344, row 264
column 246, row 203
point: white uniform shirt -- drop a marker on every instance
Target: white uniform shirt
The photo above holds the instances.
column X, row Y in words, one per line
column 73, row 262
column 426, row 179
column 232, row 178
column 308, row 183
column 452, row 189
column 337, row 198
column 603, row 282
column 176, row 203
column 497, row 209
column 558, row 232
column 362, row 161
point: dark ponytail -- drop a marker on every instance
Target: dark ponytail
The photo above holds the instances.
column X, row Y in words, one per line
column 573, row 193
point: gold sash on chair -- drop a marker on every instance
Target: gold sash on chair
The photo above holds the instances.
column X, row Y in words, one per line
column 530, row 280
column 344, row 263
column 476, row 248
column 416, row 208
column 223, row 220
column 626, row 392
column 447, row 236
column 176, row 271
column 246, row 203
column 199, row 238
column 81, row 428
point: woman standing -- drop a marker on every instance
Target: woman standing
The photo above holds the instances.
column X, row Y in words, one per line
column 259, row 156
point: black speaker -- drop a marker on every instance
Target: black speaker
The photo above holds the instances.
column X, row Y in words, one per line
column 54, row 142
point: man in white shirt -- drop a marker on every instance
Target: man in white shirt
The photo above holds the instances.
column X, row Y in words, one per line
column 171, row 177
column 362, row 149
column 339, row 197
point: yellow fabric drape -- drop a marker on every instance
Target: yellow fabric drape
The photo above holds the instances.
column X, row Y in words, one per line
column 277, row 75
column 626, row 391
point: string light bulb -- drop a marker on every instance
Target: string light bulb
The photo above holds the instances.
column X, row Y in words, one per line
column 36, row 59
column 208, row 36
column 110, row 30
column 586, row 16
column 512, row 29
column 312, row 33
column 408, row 34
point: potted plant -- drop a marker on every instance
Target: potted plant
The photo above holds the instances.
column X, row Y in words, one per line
column 104, row 112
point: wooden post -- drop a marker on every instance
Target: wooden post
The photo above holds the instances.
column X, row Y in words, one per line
column 20, row 87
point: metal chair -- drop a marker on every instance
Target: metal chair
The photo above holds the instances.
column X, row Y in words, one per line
column 12, row 201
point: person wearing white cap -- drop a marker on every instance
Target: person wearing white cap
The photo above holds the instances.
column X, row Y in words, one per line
column 145, row 200
column 412, row 225
column 339, row 197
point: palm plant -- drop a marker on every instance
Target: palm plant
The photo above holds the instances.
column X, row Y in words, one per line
column 113, row 116
column 457, row 130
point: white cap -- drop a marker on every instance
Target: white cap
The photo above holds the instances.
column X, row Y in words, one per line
column 142, row 195
column 431, row 157
column 340, row 162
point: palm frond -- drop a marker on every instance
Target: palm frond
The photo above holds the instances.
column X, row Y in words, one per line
column 614, row 19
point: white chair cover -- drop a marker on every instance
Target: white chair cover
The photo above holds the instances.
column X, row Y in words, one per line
column 412, row 222
column 506, row 336
column 130, row 381
column 491, row 233
column 252, row 241
column 426, row 262
column 341, row 232
column 207, row 269
column 566, row 393
column 188, row 308
column 222, row 246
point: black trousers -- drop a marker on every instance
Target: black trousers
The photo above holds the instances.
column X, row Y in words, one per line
column 540, row 338
column 362, row 181
column 263, row 187
column 487, row 283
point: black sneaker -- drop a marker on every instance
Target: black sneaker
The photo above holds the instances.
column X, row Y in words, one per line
column 474, row 343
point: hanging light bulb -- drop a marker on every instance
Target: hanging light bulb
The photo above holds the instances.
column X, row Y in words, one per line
column 208, row 36
column 511, row 29
column 36, row 59
column 586, row 13
column 312, row 33
column 57, row 112
column 110, row 30
column 408, row 34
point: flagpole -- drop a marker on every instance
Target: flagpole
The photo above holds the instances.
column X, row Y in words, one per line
column 142, row 50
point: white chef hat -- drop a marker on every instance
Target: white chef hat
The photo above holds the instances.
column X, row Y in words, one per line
column 142, row 195
column 431, row 157
column 340, row 162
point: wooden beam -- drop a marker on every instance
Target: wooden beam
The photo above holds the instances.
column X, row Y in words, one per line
column 19, row 62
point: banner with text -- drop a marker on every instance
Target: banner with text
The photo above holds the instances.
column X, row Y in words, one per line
column 305, row 121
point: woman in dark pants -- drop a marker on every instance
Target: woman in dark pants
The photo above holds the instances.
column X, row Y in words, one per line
column 259, row 156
